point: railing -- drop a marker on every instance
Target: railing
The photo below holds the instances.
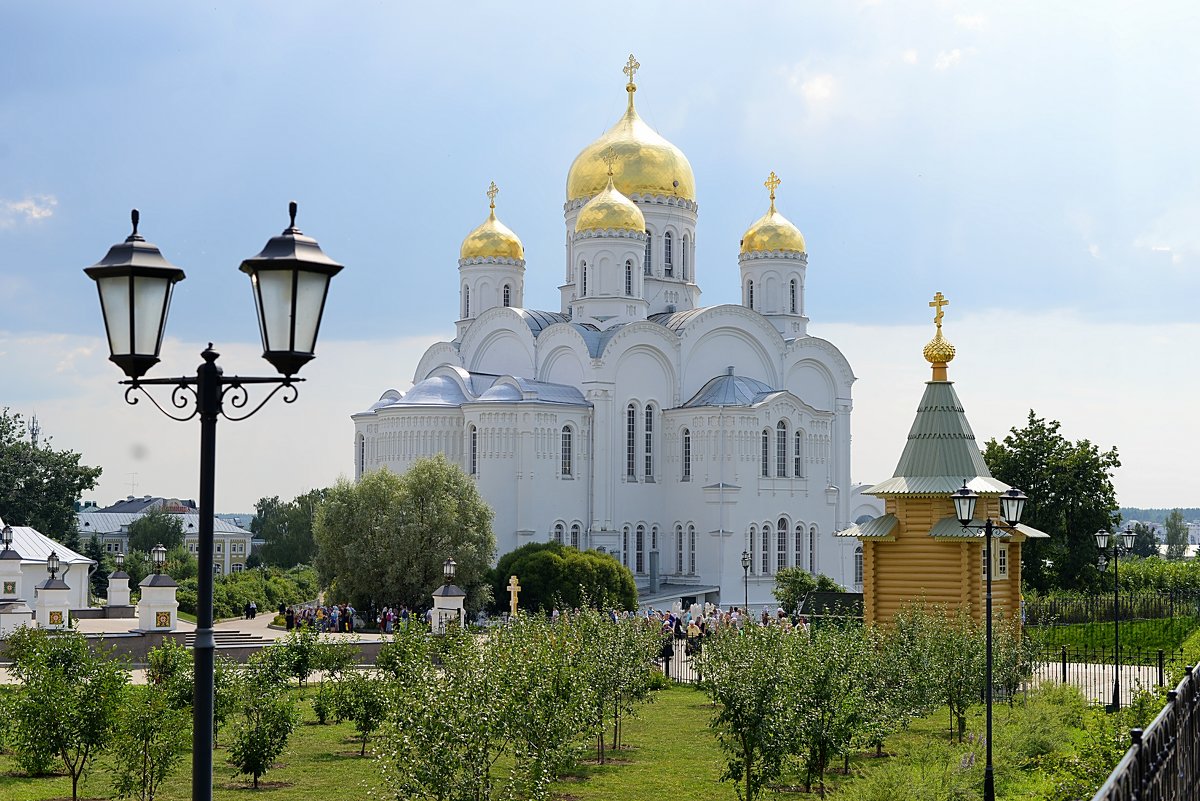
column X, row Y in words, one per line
column 1163, row 763
column 1091, row 669
column 1099, row 608
column 679, row 667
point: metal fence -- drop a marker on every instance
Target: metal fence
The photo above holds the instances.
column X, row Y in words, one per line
column 679, row 667
column 1091, row 670
column 1163, row 763
column 1099, row 608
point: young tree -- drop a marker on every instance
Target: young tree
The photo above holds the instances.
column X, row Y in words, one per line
column 1145, row 542
column 265, row 716
column 69, row 703
column 94, row 550
column 152, row 735
column 155, row 527
column 362, row 700
column 39, row 485
column 385, row 537
column 1071, row 496
column 1177, row 540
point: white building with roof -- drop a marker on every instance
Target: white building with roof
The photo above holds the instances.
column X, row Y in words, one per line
column 34, row 549
column 633, row 419
column 231, row 543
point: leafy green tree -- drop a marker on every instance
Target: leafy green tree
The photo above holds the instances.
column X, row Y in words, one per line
column 69, row 703
column 287, row 527
column 362, row 700
column 384, row 538
column 1176, row 535
column 1071, row 496
column 104, row 566
column 959, row 663
column 794, row 584
column 39, row 485
column 264, row 718
column 155, row 527
column 1145, row 543
column 152, row 735
column 552, row 574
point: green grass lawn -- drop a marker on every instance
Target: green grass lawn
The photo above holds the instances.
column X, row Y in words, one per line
column 1147, row 635
column 670, row 754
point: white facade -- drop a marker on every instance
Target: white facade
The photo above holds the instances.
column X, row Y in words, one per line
column 634, row 420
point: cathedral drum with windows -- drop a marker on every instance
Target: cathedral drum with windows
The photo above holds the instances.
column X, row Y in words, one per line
column 633, row 419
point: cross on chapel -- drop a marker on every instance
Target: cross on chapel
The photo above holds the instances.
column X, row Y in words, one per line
column 514, row 587
column 631, row 68
column 772, row 182
column 939, row 300
column 492, row 191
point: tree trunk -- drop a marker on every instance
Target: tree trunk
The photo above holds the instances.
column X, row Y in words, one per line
column 962, row 727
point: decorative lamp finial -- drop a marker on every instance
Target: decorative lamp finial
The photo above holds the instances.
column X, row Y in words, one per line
column 135, row 217
column 771, row 183
column 939, row 352
column 292, row 213
column 492, row 191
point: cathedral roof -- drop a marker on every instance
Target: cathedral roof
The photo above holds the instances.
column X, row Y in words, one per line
column 647, row 163
column 492, row 238
column 731, row 390
column 772, row 231
column 438, row 390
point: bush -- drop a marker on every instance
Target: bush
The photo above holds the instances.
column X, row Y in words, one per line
column 151, row 737
column 265, row 716
column 268, row 588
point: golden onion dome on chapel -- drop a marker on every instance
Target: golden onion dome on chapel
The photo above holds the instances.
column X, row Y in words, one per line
column 492, row 239
column 938, row 351
column 649, row 164
column 772, row 231
column 610, row 210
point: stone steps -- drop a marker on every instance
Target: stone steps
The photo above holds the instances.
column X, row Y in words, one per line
column 230, row 639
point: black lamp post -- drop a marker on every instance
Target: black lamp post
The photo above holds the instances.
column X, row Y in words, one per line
column 52, row 565
column 1012, row 505
column 1126, row 538
column 448, row 568
column 159, row 554
column 290, row 279
column 120, row 559
column 746, row 583
column 6, row 536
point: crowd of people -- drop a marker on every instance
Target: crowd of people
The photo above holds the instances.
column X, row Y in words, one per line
column 335, row 618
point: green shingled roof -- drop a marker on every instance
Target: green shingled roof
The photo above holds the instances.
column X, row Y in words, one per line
column 941, row 451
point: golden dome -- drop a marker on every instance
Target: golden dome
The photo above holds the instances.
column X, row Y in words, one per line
column 772, row 231
column 938, row 351
column 493, row 239
column 610, row 210
column 649, row 164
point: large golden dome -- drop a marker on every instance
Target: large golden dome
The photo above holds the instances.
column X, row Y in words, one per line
column 772, row 231
column 648, row 164
column 610, row 210
column 492, row 239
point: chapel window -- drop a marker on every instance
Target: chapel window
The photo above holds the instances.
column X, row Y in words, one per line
column 683, row 258
column 766, row 548
column 558, row 532
column 631, row 442
column 753, row 542
column 568, row 466
column 792, row 292
column 781, row 549
column 687, row 455
column 575, row 530
column 679, row 549
column 640, row 554
column 858, row 565
column 629, row 278
column 798, row 467
column 466, row 302
column 691, row 549
column 647, row 264
column 625, row 546
column 781, row 454
column 798, row 545
column 765, row 456
column 649, row 450
column 583, row 278
column 473, row 436
column 750, row 294
column 812, row 550
column 668, row 269
column 507, row 295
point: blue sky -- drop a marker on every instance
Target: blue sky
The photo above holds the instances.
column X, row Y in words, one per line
column 1034, row 162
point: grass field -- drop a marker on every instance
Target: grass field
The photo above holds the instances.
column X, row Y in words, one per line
column 1146, row 635
column 671, row 754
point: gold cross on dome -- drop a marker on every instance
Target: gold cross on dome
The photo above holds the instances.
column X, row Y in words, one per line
column 631, row 68
column 772, row 182
column 939, row 300
column 492, row 191
column 609, row 156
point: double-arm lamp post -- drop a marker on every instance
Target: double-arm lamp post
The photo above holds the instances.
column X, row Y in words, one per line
column 290, row 280
column 1012, row 505
column 1125, row 538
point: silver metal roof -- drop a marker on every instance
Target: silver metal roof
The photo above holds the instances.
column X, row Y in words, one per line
column 731, row 390
column 438, row 390
column 876, row 528
column 34, row 546
column 89, row 523
column 538, row 321
column 936, row 485
column 676, row 321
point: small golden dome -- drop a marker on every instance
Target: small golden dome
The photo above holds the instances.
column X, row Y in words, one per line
column 610, row 210
column 939, row 350
column 649, row 164
column 493, row 239
column 772, row 231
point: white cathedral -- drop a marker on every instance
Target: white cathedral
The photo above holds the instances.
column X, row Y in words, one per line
column 633, row 420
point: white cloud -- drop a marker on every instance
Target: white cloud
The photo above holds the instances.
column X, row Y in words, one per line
column 1175, row 233
column 972, row 22
column 818, row 88
column 28, row 209
column 909, row 56
column 947, row 59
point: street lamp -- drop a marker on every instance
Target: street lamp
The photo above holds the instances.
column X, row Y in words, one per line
column 6, row 536
column 1012, row 506
column 746, row 582
column 120, row 559
column 290, row 280
column 52, row 564
column 448, row 571
column 1126, row 538
column 159, row 554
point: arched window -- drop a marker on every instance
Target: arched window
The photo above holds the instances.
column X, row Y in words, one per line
column 568, row 464
column 583, row 279
column 781, row 454
column 798, row 545
column 798, row 467
column 858, row 565
column 558, row 532
column 781, row 549
column 753, row 544
column 792, row 293
column 679, row 549
column 668, row 268
column 631, row 442
column 625, row 546
column 812, row 550
column 654, row 543
column 750, row 294
column 640, row 554
column 466, row 302
column 629, row 278
column 507, row 300
column 575, row 535
column 646, row 266
column 691, row 549
column 648, row 453
column 765, row 553
column 362, row 454
column 765, row 460
column 473, row 447
column 683, row 259
column 687, row 455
